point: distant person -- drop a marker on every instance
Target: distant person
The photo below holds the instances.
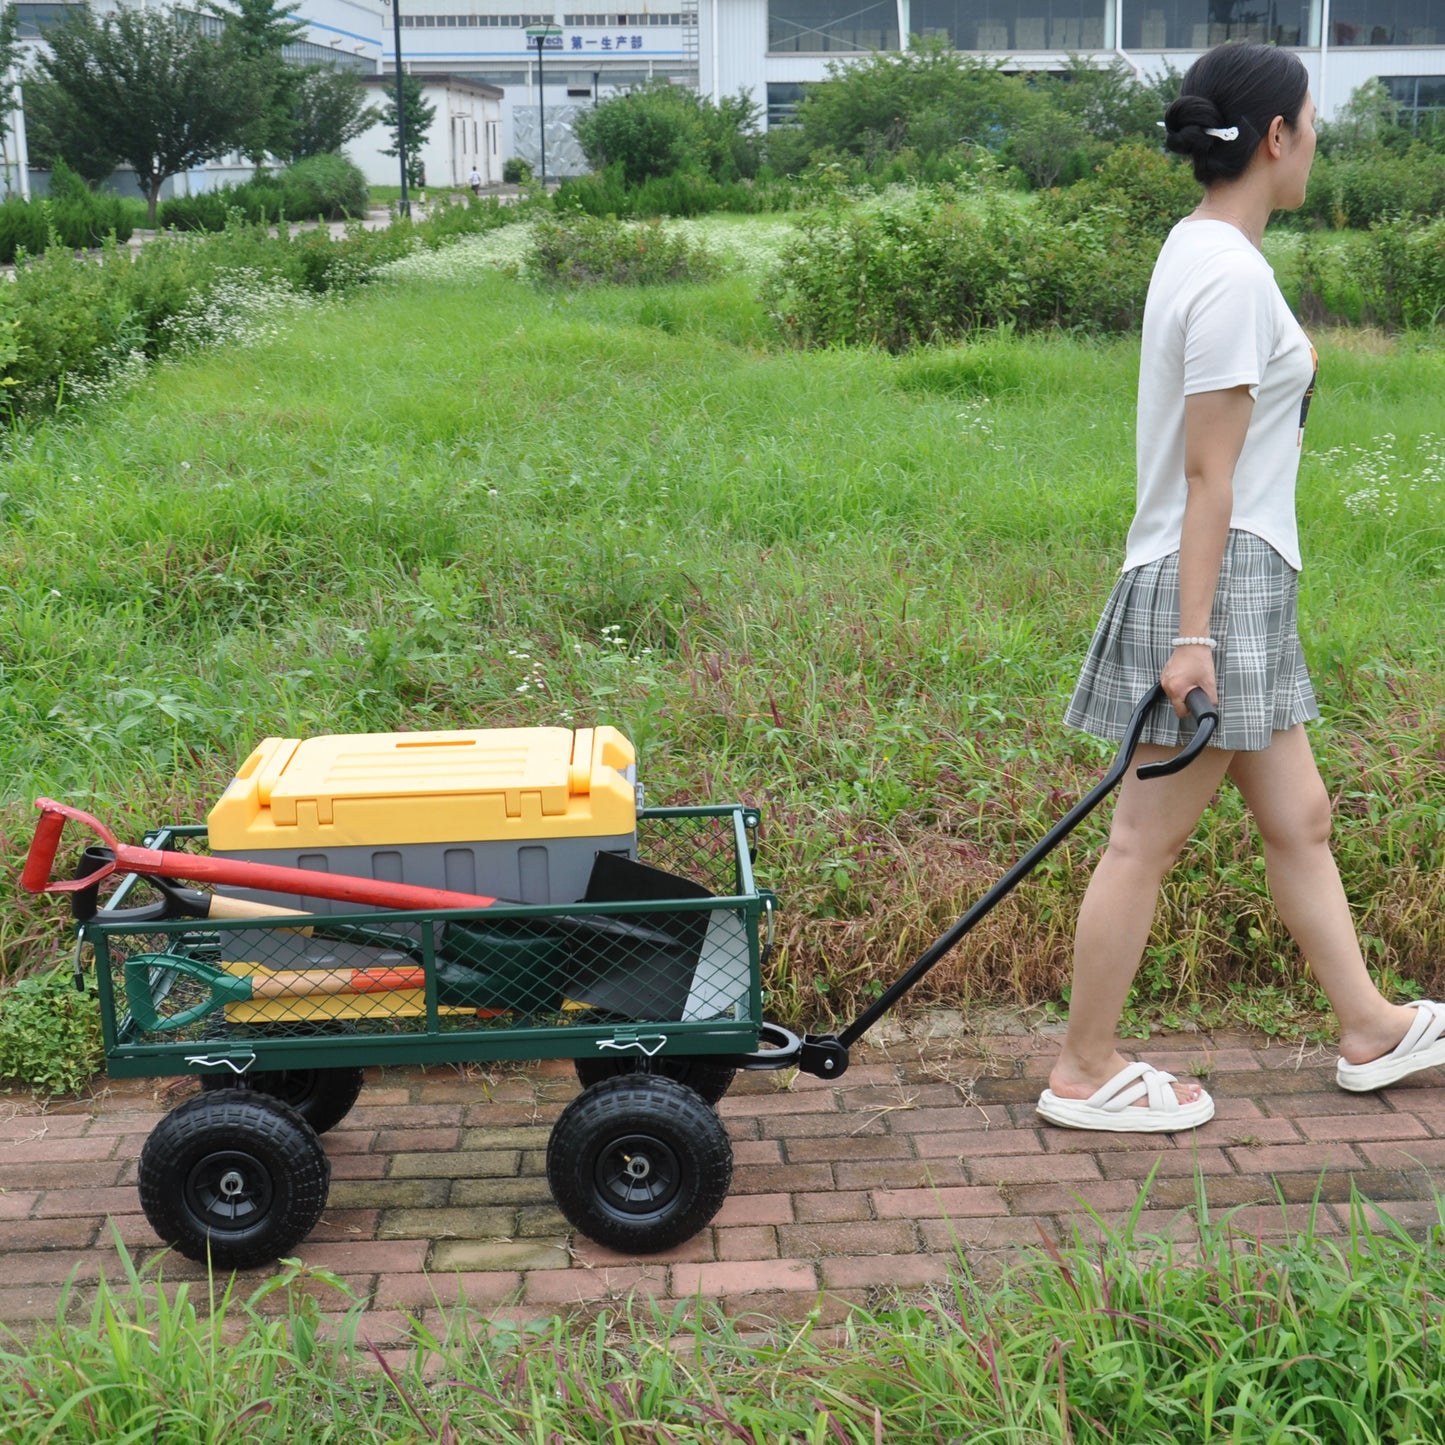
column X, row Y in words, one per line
column 1207, row 600
column 475, row 181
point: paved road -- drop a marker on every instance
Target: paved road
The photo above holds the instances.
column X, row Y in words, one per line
column 842, row 1190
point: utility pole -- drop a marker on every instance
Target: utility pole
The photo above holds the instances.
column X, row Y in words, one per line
column 403, row 207
column 542, row 34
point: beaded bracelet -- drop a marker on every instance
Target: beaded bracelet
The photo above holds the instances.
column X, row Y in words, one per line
column 1208, row 642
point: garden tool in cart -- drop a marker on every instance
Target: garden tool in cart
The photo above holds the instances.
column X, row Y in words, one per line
column 166, row 1009
column 633, row 966
column 197, row 868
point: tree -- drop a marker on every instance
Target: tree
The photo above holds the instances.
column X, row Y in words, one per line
column 151, row 83
column 260, row 31
column 1050, row 146
column 929, row 99
column 9, row 54
column 57, row 128
column 419, row 116
column 1365, row 123
column 660, row 129
column 330, row 109
column 1110, row 103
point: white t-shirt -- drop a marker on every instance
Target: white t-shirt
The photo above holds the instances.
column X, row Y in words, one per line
column 1215, row 319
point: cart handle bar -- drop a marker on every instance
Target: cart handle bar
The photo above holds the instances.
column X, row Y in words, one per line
column 1205, row 714
column 197, row 868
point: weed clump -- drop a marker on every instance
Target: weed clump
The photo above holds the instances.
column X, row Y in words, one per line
column 592, row 250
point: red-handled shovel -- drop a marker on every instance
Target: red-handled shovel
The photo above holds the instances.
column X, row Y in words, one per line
column 197, row 868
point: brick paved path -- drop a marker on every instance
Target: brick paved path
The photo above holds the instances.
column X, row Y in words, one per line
column 840, row 1189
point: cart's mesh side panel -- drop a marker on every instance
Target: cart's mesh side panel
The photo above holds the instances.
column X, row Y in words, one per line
column 702, row 849
column 648, row 945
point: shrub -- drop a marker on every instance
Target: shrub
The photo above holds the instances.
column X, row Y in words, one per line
column 584, row 250
column 319, row 188
column 1146, row 190
column 516, row 171
column 259, row 200
column 324, row 187
column 71, row 214
column 1361, row 188
column 49, row 1034
column 23, row 227
column 661, row 129
column 1404, row 274
column 925, row 269
column 75, row 323
column 85, row 224
column 606, row 193
column 930, row 100
column 79, row 325
column 1393, row 277
column 447, row 220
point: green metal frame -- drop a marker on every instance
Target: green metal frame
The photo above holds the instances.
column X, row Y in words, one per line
column 130, row 1057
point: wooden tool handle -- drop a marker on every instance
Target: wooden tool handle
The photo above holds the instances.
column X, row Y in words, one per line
column 356, row 980
column 223, row 907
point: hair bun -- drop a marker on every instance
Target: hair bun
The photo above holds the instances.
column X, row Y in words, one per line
column 1187, row 122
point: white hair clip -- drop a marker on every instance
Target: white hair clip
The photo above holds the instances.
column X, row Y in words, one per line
column 1229, row 132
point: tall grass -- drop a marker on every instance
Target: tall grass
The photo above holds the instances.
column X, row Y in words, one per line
column 851, row 588
column 1111, row 1336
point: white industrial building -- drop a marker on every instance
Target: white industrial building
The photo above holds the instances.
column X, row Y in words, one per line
column 771, row 49
column 466, row 131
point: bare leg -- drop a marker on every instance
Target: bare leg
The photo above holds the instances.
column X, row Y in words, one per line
column 1152, row 822
column 1284, row 792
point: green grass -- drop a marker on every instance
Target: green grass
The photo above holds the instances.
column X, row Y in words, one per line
column 853, row 589
column 1113, row 1336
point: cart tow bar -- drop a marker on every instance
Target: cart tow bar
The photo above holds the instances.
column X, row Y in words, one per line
column 818, row 1054
column 826, row 1055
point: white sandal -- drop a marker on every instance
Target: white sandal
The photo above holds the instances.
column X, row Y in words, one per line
column 1112, row 1107
column 1423, row 1047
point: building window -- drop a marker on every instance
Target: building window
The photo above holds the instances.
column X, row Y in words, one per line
column 1387, row 22
column 832, row 26
column 33, row 20
column 1200, row 24
column 611, row 21
column 783, row 102
column 994, row 25
column 1421, row 101
column 306, row 52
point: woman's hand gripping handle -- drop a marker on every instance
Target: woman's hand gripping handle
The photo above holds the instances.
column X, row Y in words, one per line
column 1206, row 714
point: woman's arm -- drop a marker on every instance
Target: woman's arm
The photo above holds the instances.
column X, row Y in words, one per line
column 1215, row 423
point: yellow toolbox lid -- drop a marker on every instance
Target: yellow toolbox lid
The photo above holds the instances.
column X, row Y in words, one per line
column 381, row 789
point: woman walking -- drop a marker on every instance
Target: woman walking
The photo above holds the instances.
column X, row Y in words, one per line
column 1207, row 599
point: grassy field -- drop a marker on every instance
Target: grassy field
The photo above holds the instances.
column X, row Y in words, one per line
column 850, row 588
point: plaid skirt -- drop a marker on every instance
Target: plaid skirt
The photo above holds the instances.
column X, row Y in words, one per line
column 1259, row 666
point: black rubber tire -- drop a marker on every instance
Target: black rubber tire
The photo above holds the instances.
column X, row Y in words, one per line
column 639, row 1163
column 323, row 1097
column 701, row 1075
column 233, row 1178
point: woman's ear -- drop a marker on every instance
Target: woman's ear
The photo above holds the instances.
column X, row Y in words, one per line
column 1274, row 137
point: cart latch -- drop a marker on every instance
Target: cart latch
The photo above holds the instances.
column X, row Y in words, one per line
column 84, row 953
column 649, row 1044
column 237, row 1064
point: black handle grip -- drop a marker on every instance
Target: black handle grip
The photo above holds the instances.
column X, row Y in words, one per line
column 1206, row 715
column 175, row 902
